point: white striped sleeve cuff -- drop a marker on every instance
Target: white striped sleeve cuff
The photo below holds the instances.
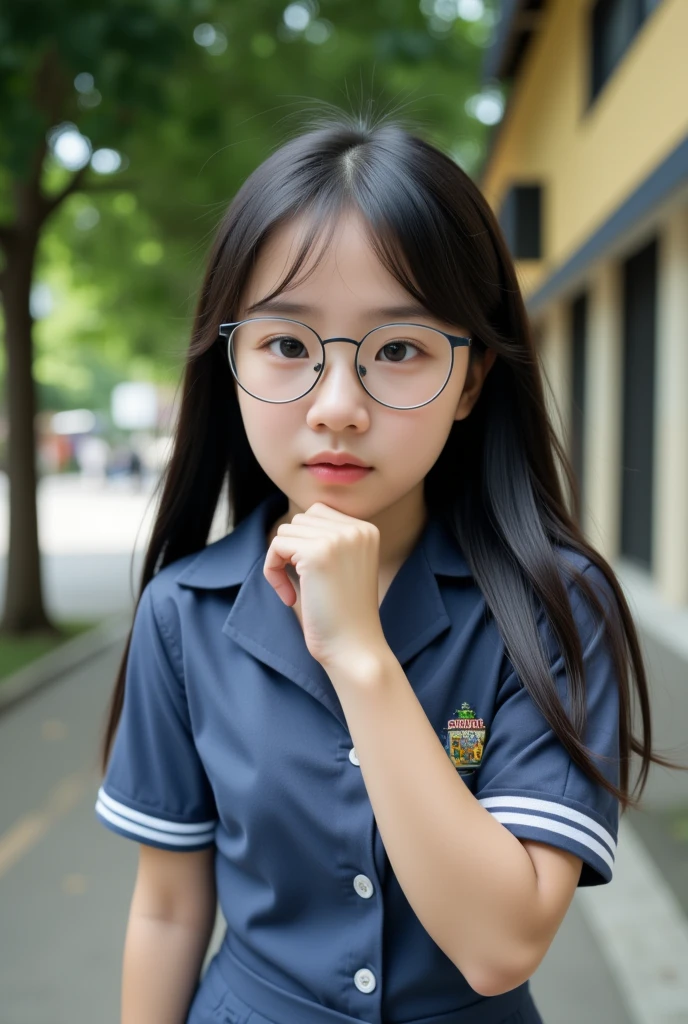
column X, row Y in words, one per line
column 169, row 835
column 556, row 823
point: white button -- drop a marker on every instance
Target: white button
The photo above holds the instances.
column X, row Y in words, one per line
column 352, row 756
column 365, row 980
column 363, row 886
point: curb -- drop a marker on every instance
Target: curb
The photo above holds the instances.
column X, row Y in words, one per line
column 63, row 659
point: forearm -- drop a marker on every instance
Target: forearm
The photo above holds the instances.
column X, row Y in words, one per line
column 161, row 964
column 454, row 861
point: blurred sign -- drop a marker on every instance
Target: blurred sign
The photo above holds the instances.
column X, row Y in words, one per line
column 134, row 405
column 73, row 421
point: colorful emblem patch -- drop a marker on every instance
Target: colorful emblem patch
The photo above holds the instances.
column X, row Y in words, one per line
column 464, row 739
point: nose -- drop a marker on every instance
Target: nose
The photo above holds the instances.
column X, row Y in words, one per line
column 339, row 394
column 340, row 365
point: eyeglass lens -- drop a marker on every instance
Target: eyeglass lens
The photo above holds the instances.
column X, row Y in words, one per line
column 279, row 360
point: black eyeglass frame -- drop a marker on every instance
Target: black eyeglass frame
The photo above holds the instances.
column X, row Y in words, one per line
column 227, row 330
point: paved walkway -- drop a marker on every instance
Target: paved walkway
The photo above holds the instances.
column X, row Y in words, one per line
column 92, row 535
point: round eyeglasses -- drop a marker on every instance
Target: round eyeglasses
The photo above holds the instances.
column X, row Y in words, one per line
column 402, row 366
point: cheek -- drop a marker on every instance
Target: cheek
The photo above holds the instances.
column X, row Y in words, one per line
column 269, row 428
column 420, row 436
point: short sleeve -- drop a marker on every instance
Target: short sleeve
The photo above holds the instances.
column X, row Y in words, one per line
column 155, row 789
column 527, row 779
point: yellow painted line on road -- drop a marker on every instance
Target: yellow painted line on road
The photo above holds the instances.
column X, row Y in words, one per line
column 31, row 828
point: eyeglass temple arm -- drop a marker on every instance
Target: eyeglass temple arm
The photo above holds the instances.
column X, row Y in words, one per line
column 224, row 330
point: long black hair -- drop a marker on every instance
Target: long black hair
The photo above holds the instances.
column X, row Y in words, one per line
column 495, row 481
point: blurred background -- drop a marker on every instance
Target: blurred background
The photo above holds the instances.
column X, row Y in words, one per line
column 126, row 126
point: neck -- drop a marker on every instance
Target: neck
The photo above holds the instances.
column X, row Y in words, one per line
column 400, row 526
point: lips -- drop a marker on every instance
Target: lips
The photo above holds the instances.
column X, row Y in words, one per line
column 337, row 460
column 338, row 474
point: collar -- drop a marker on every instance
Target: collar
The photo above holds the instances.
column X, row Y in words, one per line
column 228, row 561
column 413, row 612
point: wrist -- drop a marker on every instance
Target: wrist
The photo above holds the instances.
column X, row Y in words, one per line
column 359, row 666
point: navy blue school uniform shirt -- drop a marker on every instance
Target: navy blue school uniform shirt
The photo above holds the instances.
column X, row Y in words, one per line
column 232, row 736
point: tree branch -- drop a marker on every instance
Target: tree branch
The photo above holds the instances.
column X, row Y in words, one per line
column 50, row 203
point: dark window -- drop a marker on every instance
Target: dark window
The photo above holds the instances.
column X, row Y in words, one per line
column 520, row 219
column 579, row 331
column 614, row 25
column 637, row 464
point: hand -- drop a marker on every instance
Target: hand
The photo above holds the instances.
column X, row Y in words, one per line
column 337, row 559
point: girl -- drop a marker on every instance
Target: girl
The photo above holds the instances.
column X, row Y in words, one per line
column 387, row 718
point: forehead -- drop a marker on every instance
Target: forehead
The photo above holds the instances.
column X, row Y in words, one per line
column 341, row 261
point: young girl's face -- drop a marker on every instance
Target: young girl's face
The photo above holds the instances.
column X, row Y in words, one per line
column 342, row 298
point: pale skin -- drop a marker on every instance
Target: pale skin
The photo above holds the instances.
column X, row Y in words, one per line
column 332, row 557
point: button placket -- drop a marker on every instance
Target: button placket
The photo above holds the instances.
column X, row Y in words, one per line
column 364, row 979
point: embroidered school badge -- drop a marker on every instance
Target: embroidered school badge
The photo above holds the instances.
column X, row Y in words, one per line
column 464, row 739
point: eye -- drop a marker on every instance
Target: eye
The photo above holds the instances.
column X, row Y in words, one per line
column 397, row 347
column 287, row 343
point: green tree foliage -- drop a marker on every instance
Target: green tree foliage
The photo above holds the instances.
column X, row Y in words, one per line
column 192, row 122
column 190, row 95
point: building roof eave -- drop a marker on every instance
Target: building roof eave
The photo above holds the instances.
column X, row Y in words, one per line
column 518, row 22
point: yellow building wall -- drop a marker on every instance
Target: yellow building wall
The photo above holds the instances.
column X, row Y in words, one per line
column 589, row 160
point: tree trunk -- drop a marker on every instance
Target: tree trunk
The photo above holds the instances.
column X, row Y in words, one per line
column 24, row 611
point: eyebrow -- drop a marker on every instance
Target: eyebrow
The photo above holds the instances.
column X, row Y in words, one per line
column 278, row 305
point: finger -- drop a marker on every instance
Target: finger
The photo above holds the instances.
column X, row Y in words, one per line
column 308, row 529
column 329, row 524
column 310, row 517
column 283, row 551
column 277, row 557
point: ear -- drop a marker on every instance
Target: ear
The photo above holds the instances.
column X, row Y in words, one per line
column 475, row 378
